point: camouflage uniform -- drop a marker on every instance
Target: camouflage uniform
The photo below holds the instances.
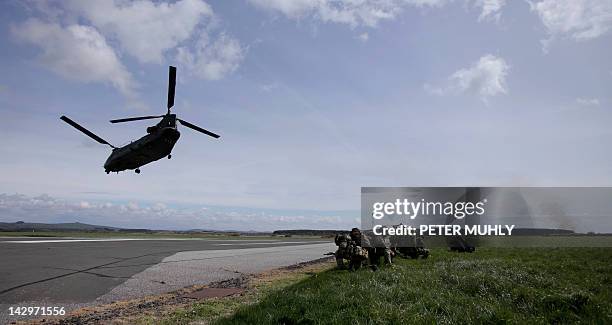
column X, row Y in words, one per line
column 375, row 248
column 349, row 250
column 342, row 253
column 378, row 246
column 358, row 256
column 414, row 251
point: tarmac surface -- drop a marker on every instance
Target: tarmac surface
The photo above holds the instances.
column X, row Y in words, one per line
column 73, row 273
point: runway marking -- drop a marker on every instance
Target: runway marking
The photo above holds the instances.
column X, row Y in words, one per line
column 77, row 271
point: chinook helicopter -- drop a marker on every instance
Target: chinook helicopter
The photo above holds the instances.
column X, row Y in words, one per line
column 158, row 142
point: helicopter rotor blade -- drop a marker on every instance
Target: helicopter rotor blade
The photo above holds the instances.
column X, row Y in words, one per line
column 135, row 118
column 84, row 130
column 197, row 128
column 171, row 86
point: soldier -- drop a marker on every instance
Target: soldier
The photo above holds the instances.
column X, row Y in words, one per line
column 349, row 248
column 373, row 253
column 358, row 256
column 356, row 236
column 342, row 253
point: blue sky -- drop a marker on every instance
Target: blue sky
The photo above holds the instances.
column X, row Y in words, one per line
column 313, row 99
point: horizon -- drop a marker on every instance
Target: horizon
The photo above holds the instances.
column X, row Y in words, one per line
column 250, row 231
column 312, row 99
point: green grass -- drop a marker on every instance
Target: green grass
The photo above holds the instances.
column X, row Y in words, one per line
column 547, row 241
column 493, row 285
column 551, row 241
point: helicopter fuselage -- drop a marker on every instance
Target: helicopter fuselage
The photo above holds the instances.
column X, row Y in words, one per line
column 157, row 144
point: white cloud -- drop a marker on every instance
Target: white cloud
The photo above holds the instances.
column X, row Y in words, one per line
column 89, row 51
column 364, row 12
column 427, row 3
column 145, row 30
column 76, row 52
column 291, row 8
column 45, row 208
column 364, row 37
column 148, row 31
column 351, row 12
column 490, row 9
column 212, row 60
column 588, row 101
column 577, row 19
column 486, row 77
column 159, row 206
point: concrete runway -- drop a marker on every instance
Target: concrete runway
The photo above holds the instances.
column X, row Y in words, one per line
column 78, row 272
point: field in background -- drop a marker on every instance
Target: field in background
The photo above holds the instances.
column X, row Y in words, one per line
column 122, row 234
column 493, row 285
column 577, row 240
column 574, row 240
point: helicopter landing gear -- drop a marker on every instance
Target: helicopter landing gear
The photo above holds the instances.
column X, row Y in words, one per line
column 169, row 156
column 137, row 171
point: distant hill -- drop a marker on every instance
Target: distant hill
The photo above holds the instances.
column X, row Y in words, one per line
column 77, row 226
column 309, row 232
column 83, row 227
column 73, row 226
column 540, row 232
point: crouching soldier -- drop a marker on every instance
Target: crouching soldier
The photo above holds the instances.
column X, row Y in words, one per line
column 358, row 256
column 342, row 253
column 349, row 250
column 377, row 247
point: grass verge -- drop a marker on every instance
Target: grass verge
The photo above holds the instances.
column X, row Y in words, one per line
column 493, row 285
